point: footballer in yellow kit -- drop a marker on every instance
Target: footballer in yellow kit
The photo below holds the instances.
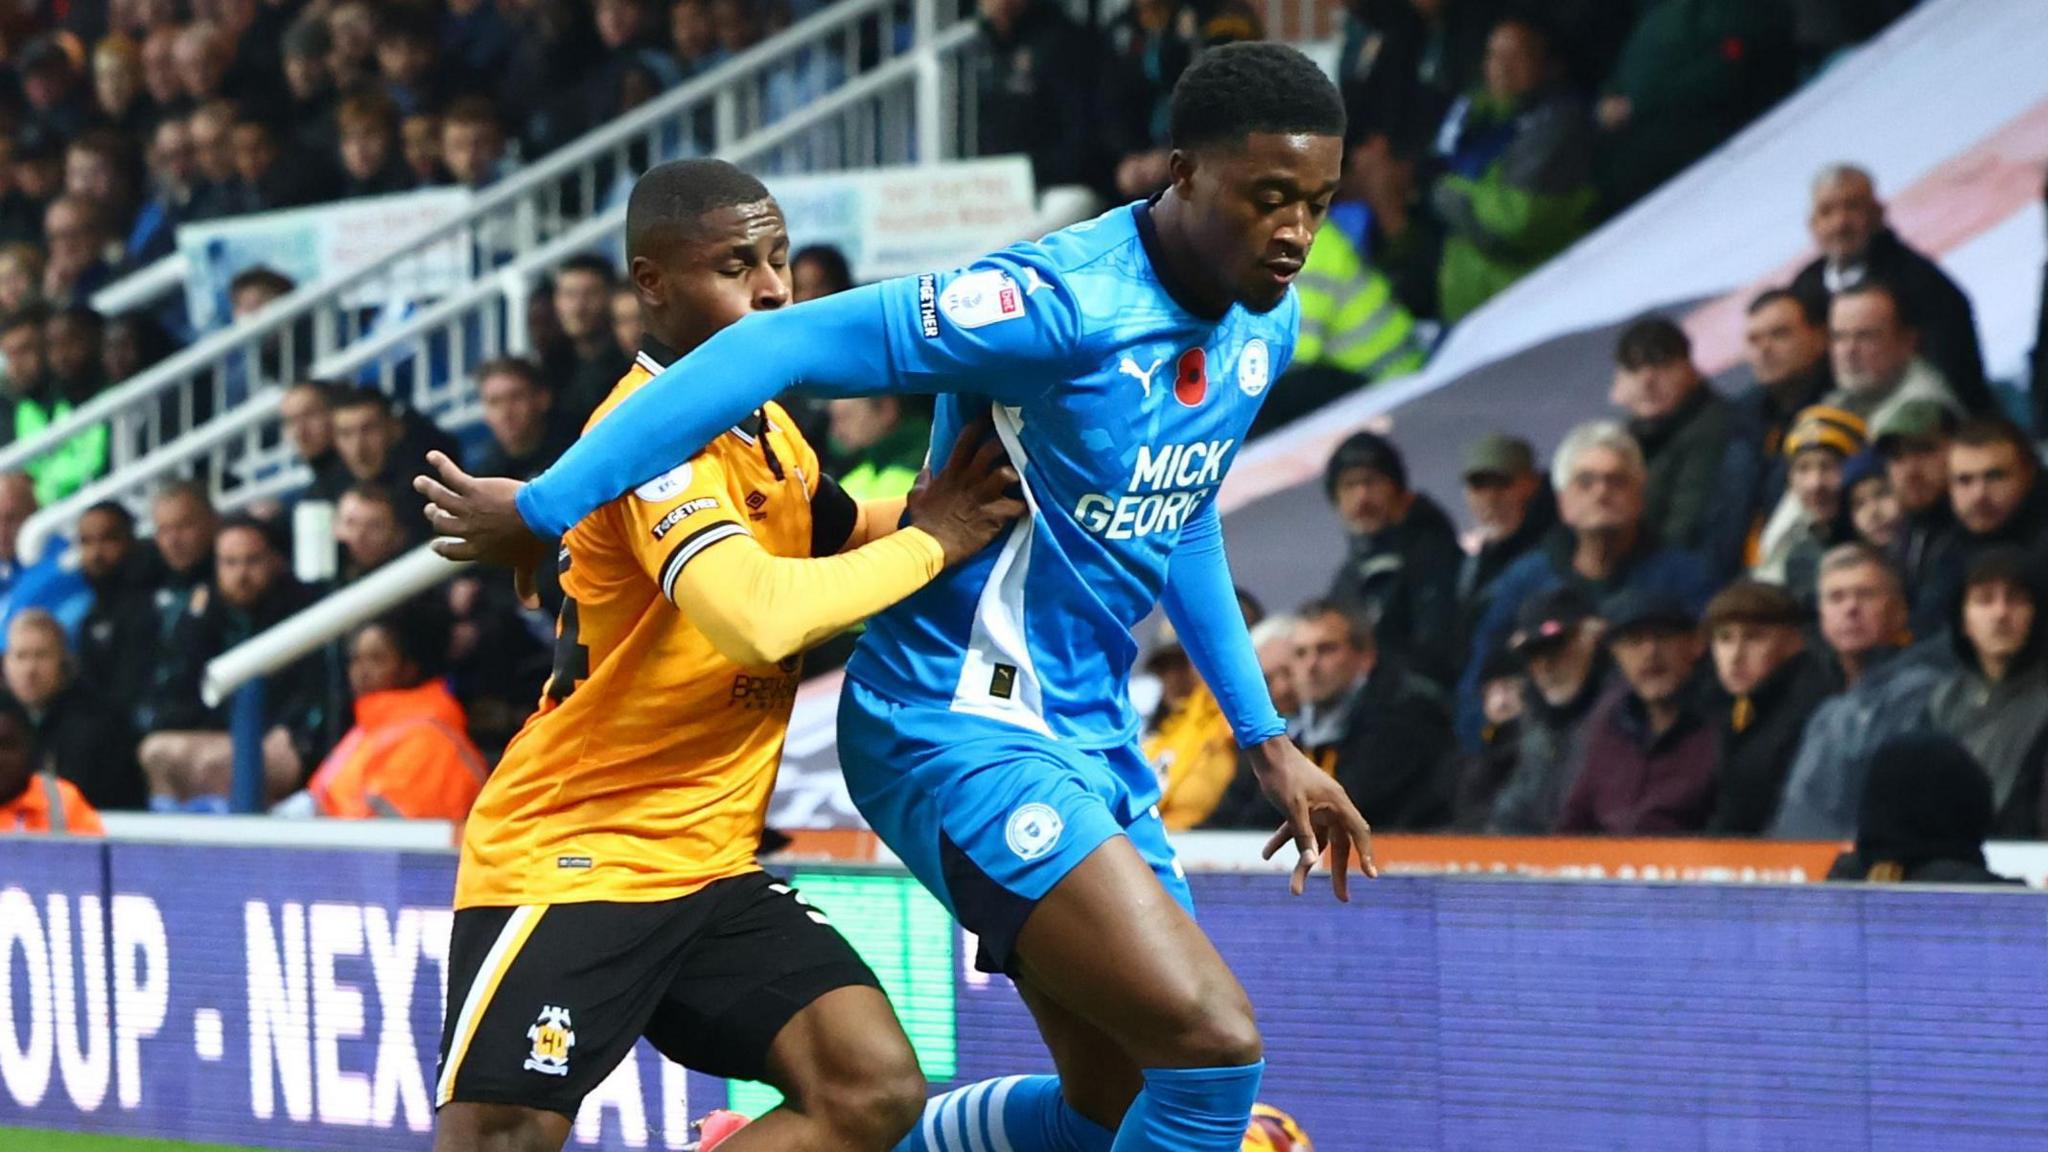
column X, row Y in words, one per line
column 608, row 887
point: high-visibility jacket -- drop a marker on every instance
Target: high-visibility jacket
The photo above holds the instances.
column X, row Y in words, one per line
column 1350, row 318
column 50, row 804
column 73, row 464
column 409, row 755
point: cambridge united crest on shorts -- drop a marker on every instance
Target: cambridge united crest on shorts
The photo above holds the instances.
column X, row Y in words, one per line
column 552, row 1038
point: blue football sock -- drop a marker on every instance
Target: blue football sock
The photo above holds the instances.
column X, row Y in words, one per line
column 165, row 803
column 208, row 805
column 1019, row 1113
column 1191, row 1110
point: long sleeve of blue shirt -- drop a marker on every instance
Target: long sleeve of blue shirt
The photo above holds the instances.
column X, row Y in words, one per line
column 1200, row 599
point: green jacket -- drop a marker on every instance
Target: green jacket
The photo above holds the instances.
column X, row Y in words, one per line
column 1349, row 316
column 1530, row 203
column 73, row 464
column 888, row 468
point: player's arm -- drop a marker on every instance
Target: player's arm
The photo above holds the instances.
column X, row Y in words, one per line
column 1201, row 600
column 758, row 608
column 969, row 331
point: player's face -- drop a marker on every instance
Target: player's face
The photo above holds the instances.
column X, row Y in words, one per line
column 734, row 262
column 1255, row 209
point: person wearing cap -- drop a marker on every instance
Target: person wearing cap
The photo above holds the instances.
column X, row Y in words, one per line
column 1483, row 774
column 1785, row 345
column 51, row 67
column 1382, row 731
column 1512, row 509
column 1913, row 442
column 1599, row 475
column 1883, row 691
column 1924, row 818
column 1803, row 525
column 1557, row 641
column 1649, row 752
column 1875, row 351
column 1870, row 512
column 1770, row 684
column 1400, row 573
column 1996, row 700
column 1681, row 424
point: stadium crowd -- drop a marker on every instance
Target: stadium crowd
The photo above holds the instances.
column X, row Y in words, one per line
column 1615, row 647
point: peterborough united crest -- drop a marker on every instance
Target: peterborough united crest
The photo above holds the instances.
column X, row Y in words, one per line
column 552, row 1038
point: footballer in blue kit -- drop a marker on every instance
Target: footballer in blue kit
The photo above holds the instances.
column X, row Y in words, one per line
column 985, row 730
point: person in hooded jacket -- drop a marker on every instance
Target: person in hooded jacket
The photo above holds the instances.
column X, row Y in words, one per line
column 1925, row 815
column 1996, row 702
column 1557, row 639
column 1401, row 572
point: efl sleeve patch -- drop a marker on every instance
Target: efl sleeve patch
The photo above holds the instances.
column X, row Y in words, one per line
column 979, row 299
column 666, row 486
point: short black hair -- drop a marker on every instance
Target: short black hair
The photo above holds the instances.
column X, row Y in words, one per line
column 420, row 631
column 1250, row 88
column 1652, row 340
column 348, row 398
column 1808, row 310
column 589, row 262
column 829, row 258
column 1989, row 431
column 518, row 366
column 668, row 202
column 261, row 276
column 271, row 534
column 117, row 510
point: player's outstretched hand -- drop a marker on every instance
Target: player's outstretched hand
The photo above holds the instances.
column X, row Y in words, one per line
column 477, row 518
column 969, row 501
column 1319, row 815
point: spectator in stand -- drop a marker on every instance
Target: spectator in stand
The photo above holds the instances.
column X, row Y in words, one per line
column 693, row 38
column 409, row 755
column 1994, row 486
column 1808, row 520
column 187, row 755
column 630, row 41
column 1876, row 368
column 1150, row 43
column 1557, row 641
column 1996, row 701
column 1607, row 547
column 1400, row 573
column 478, row 42
column 878, row 445
column 309, row 89
column 203, row 55
column 1381, row 731
column 370, row 440
column 1401, row 64
column 819, row 270
column 212, row 130
column 1692, row 74
column 117, row 639
column 76, row 237
column 38, row 175
column 407, row 41
column 591, row 362
column 32, row 800
column 1884, row 693
column 173, row 180
column 96, row 168
column 1857, row 247
column 254, row 289
column 473, row 142
column 1682, row 425
column 1273, row 641
column 71, row 344
column 1770, row 685
column 1517, row 187
column 185, row 524
column 1924, row 818
column 1512, row 508
column 1647, row 755
column 369, row 527
column 627, row 327
column 370, row 166
column 51, row 93
column 264, row 182
column 1036, row 76
column 117, row 87
column 39, row 401
column 1785, row 345
column 160, row 79
column 352, row 44
column 132, row 343
column 1188, row 741
column 419, row 144
column 1914, row 444
column 1503, row 686
column 17, row 504
column 21, row 277
column 79, row 735
column 308, row 414
column 21, row 219
column 1872, row 511
column 518, row 411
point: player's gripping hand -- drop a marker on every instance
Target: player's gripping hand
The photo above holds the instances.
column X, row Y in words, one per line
column 969, row 502
column 477, row 518
column 1319, row 815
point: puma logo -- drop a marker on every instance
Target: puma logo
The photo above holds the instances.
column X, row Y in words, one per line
column 1129, row 367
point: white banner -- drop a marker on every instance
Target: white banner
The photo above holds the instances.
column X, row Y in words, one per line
column 312, row 244
column 899, row 221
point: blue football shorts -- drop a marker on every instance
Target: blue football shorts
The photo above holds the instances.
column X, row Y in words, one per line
column 990, row 816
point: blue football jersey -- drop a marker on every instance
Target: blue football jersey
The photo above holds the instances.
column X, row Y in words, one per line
column 1121, row 408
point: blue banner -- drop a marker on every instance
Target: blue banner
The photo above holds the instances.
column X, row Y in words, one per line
column 293, row 999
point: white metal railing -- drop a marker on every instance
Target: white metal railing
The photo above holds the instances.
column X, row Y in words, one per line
column 748, row 98
column 430, row 358
column 143, row 288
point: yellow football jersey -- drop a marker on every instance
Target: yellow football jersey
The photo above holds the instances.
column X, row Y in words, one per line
column 646, row 773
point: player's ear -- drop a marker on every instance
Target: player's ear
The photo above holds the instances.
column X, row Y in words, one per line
column 646, row 277
column 1180, row 170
